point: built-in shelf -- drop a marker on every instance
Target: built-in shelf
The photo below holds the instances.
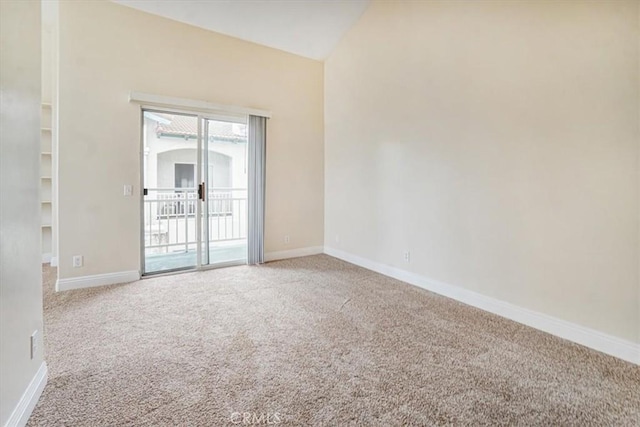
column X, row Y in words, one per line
column 47, row 170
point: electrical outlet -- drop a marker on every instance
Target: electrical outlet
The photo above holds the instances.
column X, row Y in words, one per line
column 128, row 190
column 407, row 256
column 34, row 343
column 337, row 238
column 286, row 239
column 77, row 261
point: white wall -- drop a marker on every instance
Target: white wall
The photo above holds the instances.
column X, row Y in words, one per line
column 496, row 141
column 20, row 270
column 107, row 50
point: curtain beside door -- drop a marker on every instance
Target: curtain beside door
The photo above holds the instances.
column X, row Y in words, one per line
column 257, row 162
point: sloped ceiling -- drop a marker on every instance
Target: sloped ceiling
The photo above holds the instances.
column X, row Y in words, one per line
column 309, row 28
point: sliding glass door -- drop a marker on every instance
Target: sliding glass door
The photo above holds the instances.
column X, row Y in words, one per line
column 195, row 191
column 225, row 180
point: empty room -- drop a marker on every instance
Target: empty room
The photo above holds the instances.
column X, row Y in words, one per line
column 320, row 212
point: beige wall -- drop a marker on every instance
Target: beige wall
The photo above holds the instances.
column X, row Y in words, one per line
column 20, row 270
column 497, row 141
column 107, row 50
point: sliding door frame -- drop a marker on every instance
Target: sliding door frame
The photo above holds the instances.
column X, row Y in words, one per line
column 203, row 118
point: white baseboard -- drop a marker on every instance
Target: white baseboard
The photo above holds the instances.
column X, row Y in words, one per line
column 293, row 253
column 596, row 340
column 97, row 280
column 29, row 399
column 54, row 261
column 46, row 258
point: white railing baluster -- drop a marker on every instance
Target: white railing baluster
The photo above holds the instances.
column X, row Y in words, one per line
column 150, row 227
column 186, row 227
column 177, row 230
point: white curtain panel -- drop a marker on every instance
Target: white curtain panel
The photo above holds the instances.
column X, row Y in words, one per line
column 257, row 162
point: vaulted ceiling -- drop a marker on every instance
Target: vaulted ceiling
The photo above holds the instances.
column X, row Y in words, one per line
column 310, row 28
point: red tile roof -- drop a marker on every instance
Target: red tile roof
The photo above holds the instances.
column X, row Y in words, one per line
column 187, row 126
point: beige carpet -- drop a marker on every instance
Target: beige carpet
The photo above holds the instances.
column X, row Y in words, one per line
column 311, row 341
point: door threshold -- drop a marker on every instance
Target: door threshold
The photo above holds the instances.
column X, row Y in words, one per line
column 168, row 272
column 193, row 269
column 224, row 264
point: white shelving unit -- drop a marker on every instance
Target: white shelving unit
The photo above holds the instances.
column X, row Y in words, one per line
column 49, row 132
column 46, row 184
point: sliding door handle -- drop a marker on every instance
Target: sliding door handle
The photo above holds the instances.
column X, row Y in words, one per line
column 201, row 192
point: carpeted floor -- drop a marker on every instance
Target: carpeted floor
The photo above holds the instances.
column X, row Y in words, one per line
column 311, row 341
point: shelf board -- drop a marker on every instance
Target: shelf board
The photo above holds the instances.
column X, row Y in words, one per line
column 45, row 202
column 46, row 225
column 45, row 129
column 46, row 105
column 46, row 153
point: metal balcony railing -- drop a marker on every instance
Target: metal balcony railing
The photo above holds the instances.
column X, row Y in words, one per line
column 170, row 218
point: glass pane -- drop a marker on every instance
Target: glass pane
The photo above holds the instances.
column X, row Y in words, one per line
column 225, row 175
column 170, row 162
